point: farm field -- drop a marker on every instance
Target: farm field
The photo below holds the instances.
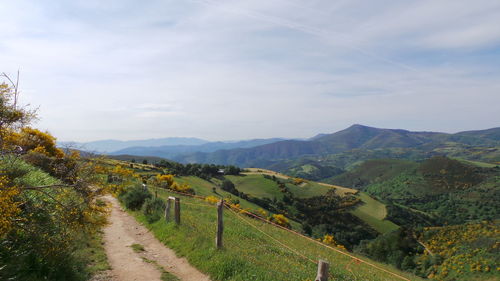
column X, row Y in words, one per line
column 308, row 189
column 256, row 185
column 477, row 163
column 370, row 211
column 205, row 188
column 340, row 190
column 373, row 213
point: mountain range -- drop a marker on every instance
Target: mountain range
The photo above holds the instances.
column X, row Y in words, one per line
column 356, row 137
column 108, row 146
column 173, row 151
column 340, row 149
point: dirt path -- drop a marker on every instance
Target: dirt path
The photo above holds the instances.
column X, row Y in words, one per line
column 128, row 265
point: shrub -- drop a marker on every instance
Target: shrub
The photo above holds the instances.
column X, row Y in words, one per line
column 298, row 181
column 135, row 198
column 212, row 199
column 183, row 188
column 153, row 209
column 280, row 220
column 228, row 186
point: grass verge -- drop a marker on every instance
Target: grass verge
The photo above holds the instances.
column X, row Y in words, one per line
column 91, row 250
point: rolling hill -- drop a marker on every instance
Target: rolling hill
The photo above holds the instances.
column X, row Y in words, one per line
column 425, row 193
column 107, row 146
column 357, row 137
column 172, row 151
column 434, row 191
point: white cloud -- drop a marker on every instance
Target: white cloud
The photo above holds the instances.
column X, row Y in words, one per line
column 244, row 69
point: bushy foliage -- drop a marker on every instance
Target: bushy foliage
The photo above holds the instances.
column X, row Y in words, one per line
column 48, row 200
column 135, row 197
column 12, row 116
column 182, row 187
column 153, row 209
column 44, row 225
column 298, row 181
column 30, row 139
column 328, row 214
column 164, row 181
column 228, row 186
column 280, row 219
column 212, row 199
column 204, row 171
column 393, row 248
column 445, row 173
column 465, row 252
column 330, row 240
column 9, row 210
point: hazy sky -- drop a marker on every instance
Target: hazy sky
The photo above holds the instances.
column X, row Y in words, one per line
column 250, row 69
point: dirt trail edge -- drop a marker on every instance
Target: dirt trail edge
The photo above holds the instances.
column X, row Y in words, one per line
column 127, row 265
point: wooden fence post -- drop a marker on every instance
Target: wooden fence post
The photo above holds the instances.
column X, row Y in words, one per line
column 220, row 224
column 167, row 209
column 177, row 210
column 322, row 271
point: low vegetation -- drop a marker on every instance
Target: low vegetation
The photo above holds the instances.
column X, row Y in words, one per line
column 253, row 250
column 50, row 212
column 462, row 252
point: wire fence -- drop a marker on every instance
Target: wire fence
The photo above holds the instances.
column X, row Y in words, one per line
column 237, row 212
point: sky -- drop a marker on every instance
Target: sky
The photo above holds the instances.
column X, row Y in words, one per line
column 228, row 70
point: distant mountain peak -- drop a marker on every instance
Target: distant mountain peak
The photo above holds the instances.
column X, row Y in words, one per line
column 359, row 126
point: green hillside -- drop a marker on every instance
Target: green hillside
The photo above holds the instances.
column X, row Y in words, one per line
column 373, row 171
column 446, row 189
column 257, row 186
column 371, row 211
column 384, row 143
column 205, row 188
column 436, row 191
column 426, row 193
column 254, row 250
column 468, row 251
column 374, row 214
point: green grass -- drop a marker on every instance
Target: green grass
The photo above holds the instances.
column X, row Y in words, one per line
column 138, row 248
column 165, row 275
column 476, row 163
column 310, row 189
column 205, row 188
column 249, row 254
column 257, row 186
column 373, row 213
column 91, row 251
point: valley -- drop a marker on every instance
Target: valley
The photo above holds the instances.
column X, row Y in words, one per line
column 376, row 199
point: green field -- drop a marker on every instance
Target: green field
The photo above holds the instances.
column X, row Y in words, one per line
column 205, row 188
column 477, row 163
column 370, row 211
column 253, row 250
column 257, row 186
column 309, row 189
column 373, row 213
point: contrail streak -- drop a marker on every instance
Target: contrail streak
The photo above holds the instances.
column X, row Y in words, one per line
column 346, row 40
